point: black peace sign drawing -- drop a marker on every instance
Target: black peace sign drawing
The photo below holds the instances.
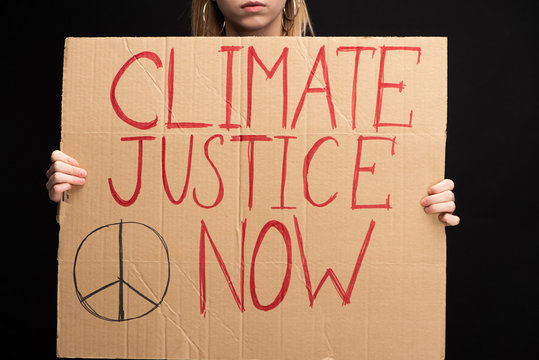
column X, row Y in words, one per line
column 126, row 282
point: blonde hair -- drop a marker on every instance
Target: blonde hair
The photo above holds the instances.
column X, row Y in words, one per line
column 214, row 25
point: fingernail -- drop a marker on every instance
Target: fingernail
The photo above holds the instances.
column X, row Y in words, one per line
column 82, row 173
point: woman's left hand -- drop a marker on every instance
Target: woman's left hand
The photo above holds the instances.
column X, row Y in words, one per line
column 441, row 200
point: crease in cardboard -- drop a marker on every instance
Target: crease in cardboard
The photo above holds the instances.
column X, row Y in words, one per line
column 238, row 230
column 191, row 281
column 139, row 63
column 179, row 327
column 327, row 338
column 170, row 308
column 223, row 323
column 162, row 207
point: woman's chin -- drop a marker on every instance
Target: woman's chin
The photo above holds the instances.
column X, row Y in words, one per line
column 252, row 26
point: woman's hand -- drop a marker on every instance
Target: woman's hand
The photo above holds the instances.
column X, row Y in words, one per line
column 63, row 174
column 441, row 200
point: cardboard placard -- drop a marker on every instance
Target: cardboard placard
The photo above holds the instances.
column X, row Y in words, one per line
column 253, row 198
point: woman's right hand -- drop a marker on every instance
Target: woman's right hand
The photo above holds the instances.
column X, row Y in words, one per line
column 63, row 173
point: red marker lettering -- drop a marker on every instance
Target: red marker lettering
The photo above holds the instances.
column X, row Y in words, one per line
column 370, row 169
column 136, row 192
column 202, row 268
column 382, row 85
column 138, row 124
column 306, row 164
column 164, row 172
column 251, row 158
column 345, row 295
column 286, row 280
column 320, row 58
column 283, row 171
column 357, row 50
column 170, row 124
column 230, row 57
column 221, row 191
column 269, row 73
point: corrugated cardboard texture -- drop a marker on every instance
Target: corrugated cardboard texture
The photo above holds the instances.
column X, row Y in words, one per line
column 306, row 159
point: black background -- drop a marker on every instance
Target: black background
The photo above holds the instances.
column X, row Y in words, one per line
column 492, row 276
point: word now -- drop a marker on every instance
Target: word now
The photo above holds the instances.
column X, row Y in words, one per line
column 252, row 57
column 252, row 140
column 239, row 298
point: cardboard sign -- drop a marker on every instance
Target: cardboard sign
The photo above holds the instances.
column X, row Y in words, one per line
column 253, row 198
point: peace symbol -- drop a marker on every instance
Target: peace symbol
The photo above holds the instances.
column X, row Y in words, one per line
column 126, row 283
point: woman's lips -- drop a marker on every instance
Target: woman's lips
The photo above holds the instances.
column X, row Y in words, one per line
column 253, row 6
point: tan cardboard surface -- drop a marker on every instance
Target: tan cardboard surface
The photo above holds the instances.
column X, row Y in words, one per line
column 306, row 160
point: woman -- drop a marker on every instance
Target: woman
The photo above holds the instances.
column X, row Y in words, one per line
column 246, row 18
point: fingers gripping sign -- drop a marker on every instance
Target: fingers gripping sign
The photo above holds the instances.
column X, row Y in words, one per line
column 63, row 173
column 441, row 201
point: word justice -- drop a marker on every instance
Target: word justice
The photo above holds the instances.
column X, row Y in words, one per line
column 344, row 293
column 282, row 143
